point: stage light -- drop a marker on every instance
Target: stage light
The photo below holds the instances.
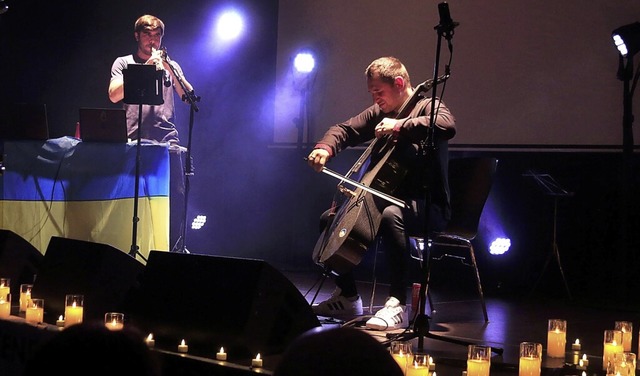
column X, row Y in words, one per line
column 500, row 246
column 230, row 25
column 304, row 62
column 198, row 222
column 4, row 8
column 627, row 39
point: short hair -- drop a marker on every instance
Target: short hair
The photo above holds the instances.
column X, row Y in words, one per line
column 148, row 22
column 387, row 69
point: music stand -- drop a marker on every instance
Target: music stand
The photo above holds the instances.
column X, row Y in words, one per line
column 551, row 188
column 142, row 85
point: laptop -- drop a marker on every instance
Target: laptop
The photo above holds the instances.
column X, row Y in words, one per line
column 103, row 125
column 24, row 121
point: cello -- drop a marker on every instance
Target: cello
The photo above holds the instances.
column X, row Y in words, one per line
column 344, row 241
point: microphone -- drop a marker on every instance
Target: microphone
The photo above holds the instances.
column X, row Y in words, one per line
column 167, row 78
column 446, row 25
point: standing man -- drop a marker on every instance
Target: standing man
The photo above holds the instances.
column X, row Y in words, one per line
column 157, row 121
column 390, row 87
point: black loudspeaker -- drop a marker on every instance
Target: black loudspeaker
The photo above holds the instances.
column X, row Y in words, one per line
column 19, row 261
column 243, row 305
column 100, row 272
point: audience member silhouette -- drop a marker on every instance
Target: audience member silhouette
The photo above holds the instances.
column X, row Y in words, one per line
column 340, row 351
column 92, row 349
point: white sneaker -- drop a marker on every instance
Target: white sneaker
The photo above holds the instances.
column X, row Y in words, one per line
column 339, row 307
column 391, row 316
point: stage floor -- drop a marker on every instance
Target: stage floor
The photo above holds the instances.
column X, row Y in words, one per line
column 458, row 317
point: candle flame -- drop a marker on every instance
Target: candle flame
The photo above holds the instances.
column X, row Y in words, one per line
column 182, row 343
column 221, row 350
column 60, row 318
column 577, row 341
column 430, row 360
column 581, row 363
column 74, row 304
column 584, row 356
column 150, row 336
column 258, row 356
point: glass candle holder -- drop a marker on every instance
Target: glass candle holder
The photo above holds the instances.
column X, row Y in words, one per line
column 626, row 327
column 5, row 306
column 25, row 296
column 35, row 311
column 114, row 320
column 612, row 346
column 73, row 309
column 530, row 362
column 556, row 338
column 5, row 286
column 624, row 364
column 418, row 366
column 402, row 353
column 478, row 360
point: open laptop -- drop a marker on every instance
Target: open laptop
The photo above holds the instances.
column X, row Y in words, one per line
column 24, row 121
column 103, row 125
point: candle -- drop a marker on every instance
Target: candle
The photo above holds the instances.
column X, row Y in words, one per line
column 416, row 369
column 150, row 341
column 402, row 359
column 114, row 320
column 182, row 347
column 626, row 327
column 4, row 286
column 556, row 342
column 35, row 311
column 610, row 349
column 221, row 355
column 529, row 366
column 72, row 315
column 432, row 364
column 584, row 360
column 257, row 361
column 478, row 367
column 25, row 296
column 576, row 345
column 60, row 321
column 5, row 306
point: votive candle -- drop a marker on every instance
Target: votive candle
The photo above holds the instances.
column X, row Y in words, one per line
column 257, row 361
column 5, row 306
column 183, row 347
column 150, row 341
column 221, row 355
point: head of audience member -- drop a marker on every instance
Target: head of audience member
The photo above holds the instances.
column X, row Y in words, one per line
column 336, row 351
column 92, row 349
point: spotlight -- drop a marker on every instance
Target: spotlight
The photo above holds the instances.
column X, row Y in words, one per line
column 198, row 222
column 4, row 8
column 230, row 25
column 627, row 39
column 500, row 246
column 304, row 62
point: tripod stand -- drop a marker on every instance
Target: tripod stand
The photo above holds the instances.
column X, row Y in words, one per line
column 142, row 85
column 420, row 328
column 550, row 187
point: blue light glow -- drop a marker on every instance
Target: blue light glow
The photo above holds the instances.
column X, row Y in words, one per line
column 500, row 246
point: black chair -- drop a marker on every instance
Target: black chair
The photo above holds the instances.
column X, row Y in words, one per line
column 470, row 181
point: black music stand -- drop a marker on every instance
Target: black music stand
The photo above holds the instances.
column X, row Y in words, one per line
column 550, row 187
column 142, row 84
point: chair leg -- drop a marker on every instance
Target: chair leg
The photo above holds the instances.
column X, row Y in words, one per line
column 475, row 267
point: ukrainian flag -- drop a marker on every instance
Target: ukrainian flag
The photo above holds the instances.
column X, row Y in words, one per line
column 86, row 191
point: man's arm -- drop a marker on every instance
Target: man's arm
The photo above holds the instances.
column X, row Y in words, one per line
column 116, row 89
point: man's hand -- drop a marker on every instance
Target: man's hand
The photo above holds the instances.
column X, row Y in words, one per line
column 318, row 158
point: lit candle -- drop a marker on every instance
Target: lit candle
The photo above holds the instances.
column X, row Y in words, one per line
column 60, row 321
column 34, row 313
column 221, row 355
column 25, row 296
column 610, row 349
column 114, row 320
column 72, row 315
column 478, row 367
column 182, row 347
column 432, row 364
column 150, row 341
column 556, row 342
column 402, row 359
column 576, row 345
column 585, row 360
column 529, row 366
column 416, row 369
column 257, row 361
column 4, row 286
column 5, row 306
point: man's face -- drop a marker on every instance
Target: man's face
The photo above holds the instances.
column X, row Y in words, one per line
column 148, row 39
column 384, row 94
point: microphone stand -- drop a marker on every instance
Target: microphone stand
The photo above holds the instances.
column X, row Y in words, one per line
column 190, row 97
column 421, row 322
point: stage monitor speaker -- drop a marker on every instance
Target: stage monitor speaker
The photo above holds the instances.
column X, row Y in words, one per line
column 243, row 305
column 100, row 272
column 19, row 260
